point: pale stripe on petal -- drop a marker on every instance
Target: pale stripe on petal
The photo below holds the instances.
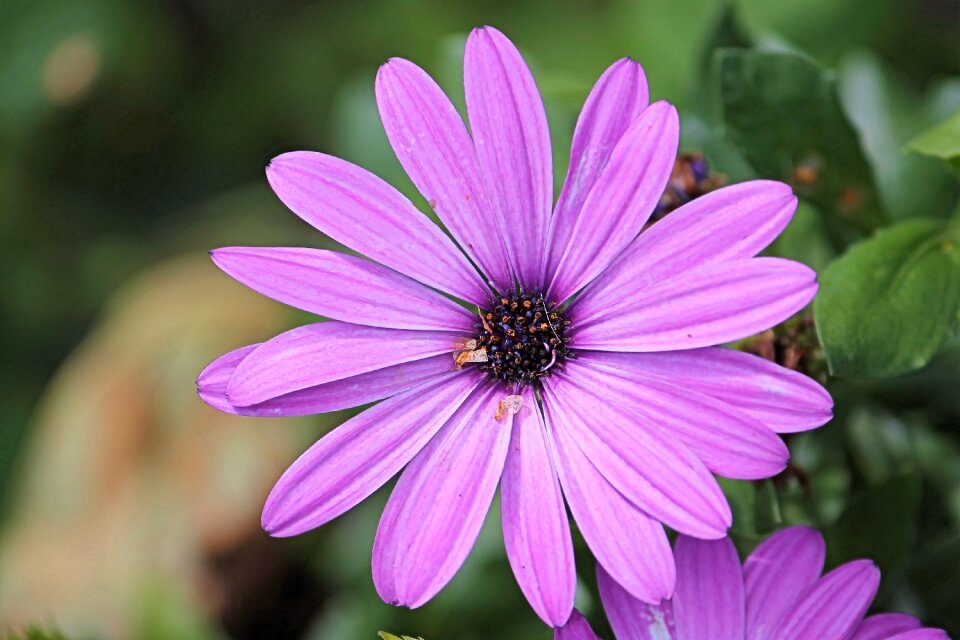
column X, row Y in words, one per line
column 641, row 562
column 784, row 400
column 510, row 133
column 708, row 603
column 730, row 442
column 731, row 223
column 358, row 457
column 330, row 396
column 361, row 211
column 326, row 351
column 716, row 303
column 436, row 509
column 621, row 200
column 617, row 98
column 658, row 474
column 435, row 149
column 536, row 531
column 632, row 619
column 777, row 574
column 342, row 287
column 833, row 606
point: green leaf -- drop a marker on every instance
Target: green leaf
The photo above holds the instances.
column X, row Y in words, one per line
column 888, row 304
column 942, row 141
column 783, row 114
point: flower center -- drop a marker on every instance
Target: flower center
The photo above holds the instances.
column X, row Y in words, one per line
column 524, row 338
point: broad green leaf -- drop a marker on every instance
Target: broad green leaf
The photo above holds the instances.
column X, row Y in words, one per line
column 888, row 304
column 783, row 113
column 942, row 141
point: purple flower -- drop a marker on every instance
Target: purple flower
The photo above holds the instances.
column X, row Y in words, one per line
column 777, row 595
column 589, row 373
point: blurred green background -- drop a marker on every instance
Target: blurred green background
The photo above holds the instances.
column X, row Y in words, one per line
column 133, row 137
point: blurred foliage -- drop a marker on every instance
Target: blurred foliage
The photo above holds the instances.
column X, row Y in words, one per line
column 942, row 141
column 34, row 632
column 134, row 132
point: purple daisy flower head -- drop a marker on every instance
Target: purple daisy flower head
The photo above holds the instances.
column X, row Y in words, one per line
column 581, row 368
column 778, row 594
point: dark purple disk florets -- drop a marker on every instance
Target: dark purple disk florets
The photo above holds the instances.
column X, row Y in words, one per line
column 524, row 338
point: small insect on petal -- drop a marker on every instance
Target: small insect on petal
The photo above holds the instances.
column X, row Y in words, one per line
column 508, row 406
column 476, row 355
column 465, row 344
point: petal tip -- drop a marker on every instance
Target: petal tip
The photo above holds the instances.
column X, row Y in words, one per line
column 493, row 35
column 389, row 66
column 557, row 617
column 286, row 161
column 272, row 521
column 218, row 255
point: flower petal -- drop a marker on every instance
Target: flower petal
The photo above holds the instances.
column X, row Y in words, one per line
column 922, row 634
column 777, row 574
column 326, row 351
column 784, row 400
column 833, row 606
column 641, row 562
column 621, row 200
column 615, row 101
column 577, row 628
column 356, row 458
column 731, row 223
column 708, row 604
column 730, row 442
column 632, row 619
column 342, row 287
column 361, row 211
column 510, row 134
column 435, row 512
column 212, row 381
column 331, row 396
column 435, row 149
column 657, row 474
column 884, row 626
column 711, row 305
column 536, row 531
